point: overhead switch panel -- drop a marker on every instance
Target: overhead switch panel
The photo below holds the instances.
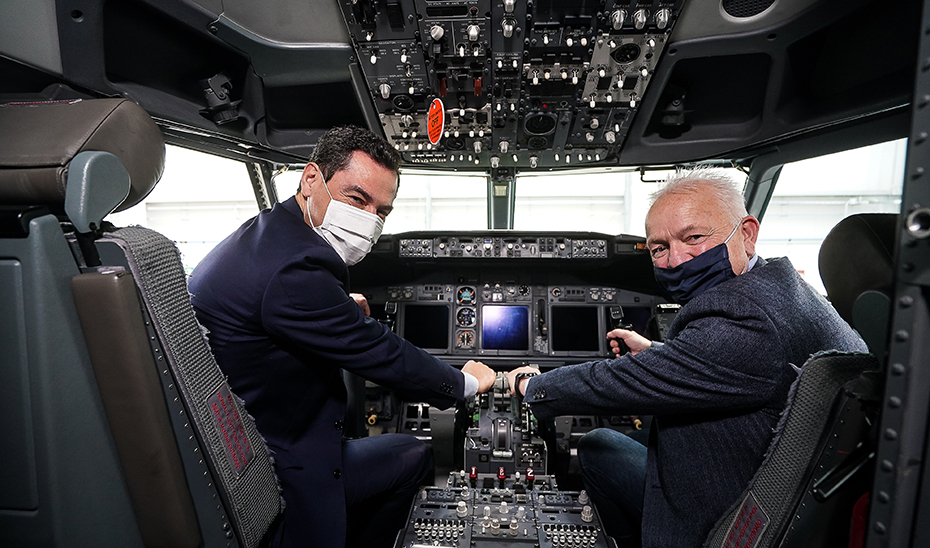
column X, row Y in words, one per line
column 526, row 84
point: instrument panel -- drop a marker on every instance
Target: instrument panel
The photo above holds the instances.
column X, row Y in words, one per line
column 512, row 247
column 497, row 317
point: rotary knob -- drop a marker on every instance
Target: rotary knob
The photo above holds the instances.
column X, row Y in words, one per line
column 639, row 19
column 587, row 514
column 473, row 32
column 477, row 147
column 461, row 509
column 508, row 26
column 509, row 5
column 617, row 18
column 385, row 90
column 504, row 145
column 406, row 119
column 436, row 32
column 662, row 17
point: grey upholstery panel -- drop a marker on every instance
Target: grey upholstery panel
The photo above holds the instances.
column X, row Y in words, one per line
column 29, row 32
column 81, row 500
column 38, row 140
column 247, row 476
column 17, row 460
column 109, row 308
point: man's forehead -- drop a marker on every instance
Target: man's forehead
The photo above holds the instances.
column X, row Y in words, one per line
column 364, row 173
column 683, row 211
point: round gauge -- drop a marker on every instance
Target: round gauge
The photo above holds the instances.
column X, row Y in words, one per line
column 466, row 295
column 465, row 339
column 465, row 317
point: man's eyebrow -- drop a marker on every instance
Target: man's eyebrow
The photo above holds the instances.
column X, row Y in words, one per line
column 685, row 230
column 367, row 196
column 680, row 233
column 360, row 190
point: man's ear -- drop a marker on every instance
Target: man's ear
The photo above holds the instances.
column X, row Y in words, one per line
column 308, row 178
column 750, row 230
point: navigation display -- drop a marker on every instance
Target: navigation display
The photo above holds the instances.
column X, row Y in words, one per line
column 575, row 329
column 427, row 326
column 505, row 327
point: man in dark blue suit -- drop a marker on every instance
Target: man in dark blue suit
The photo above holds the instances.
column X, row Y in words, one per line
column 716, row 387
column 282, row 325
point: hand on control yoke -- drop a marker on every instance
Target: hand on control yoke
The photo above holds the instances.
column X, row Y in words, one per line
column 512, row 376
column 633, row 340
column 483, row 373
column 362, row 302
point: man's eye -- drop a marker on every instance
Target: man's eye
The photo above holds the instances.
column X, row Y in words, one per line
column 657, row 251
column 357, row 199
column 695, row 237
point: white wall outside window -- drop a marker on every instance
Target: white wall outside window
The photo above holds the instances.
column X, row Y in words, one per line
column 425, row 200
column 813, row 195
column 199, row 201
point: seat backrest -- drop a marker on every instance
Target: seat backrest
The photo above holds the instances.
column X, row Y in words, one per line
column 816, row 453
column 124, row 432
column 857, row 268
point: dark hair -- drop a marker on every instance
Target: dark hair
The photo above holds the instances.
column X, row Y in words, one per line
column 334, row 149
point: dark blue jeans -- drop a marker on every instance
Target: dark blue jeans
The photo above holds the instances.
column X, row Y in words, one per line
column 613, row 467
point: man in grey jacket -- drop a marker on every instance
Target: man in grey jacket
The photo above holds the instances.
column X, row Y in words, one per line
column 716, row 387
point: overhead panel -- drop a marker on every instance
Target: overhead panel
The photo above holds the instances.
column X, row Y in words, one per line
column 522, row 83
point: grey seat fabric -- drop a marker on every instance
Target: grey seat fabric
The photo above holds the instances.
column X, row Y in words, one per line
column 238, row 456
column 769, row 512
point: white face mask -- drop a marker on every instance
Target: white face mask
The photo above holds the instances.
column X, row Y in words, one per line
column 349, row 230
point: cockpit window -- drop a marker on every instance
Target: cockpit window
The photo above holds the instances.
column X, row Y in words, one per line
column 199, row 201
column 612, row 201
column 439, row 201
column 607, row 201
column 812, row 196
column 425, row 200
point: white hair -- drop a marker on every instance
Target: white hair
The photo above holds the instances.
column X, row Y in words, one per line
column 713, row 181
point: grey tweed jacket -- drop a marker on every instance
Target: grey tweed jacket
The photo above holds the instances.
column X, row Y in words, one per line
column 716, row 389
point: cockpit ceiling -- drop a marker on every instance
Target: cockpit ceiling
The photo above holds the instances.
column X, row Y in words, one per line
column 524, row 84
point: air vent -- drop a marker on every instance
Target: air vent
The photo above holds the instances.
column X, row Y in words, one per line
column 746, row 8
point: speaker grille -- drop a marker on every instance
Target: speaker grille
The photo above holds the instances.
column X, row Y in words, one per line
column 746, row 8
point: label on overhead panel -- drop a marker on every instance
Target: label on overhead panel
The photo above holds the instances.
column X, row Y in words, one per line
column 435, row 121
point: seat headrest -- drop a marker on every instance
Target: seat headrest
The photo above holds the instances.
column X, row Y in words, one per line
column 857, row 256
column 39, row 140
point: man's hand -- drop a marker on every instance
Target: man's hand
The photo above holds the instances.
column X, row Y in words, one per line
column 633, row 340
column 483, row 373
column 512, row 376
column 362, row 302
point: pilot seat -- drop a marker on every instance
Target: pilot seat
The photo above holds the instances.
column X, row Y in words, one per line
column 119, row 429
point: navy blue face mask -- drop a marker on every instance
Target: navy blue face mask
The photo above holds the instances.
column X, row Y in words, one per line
column 691, row 278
